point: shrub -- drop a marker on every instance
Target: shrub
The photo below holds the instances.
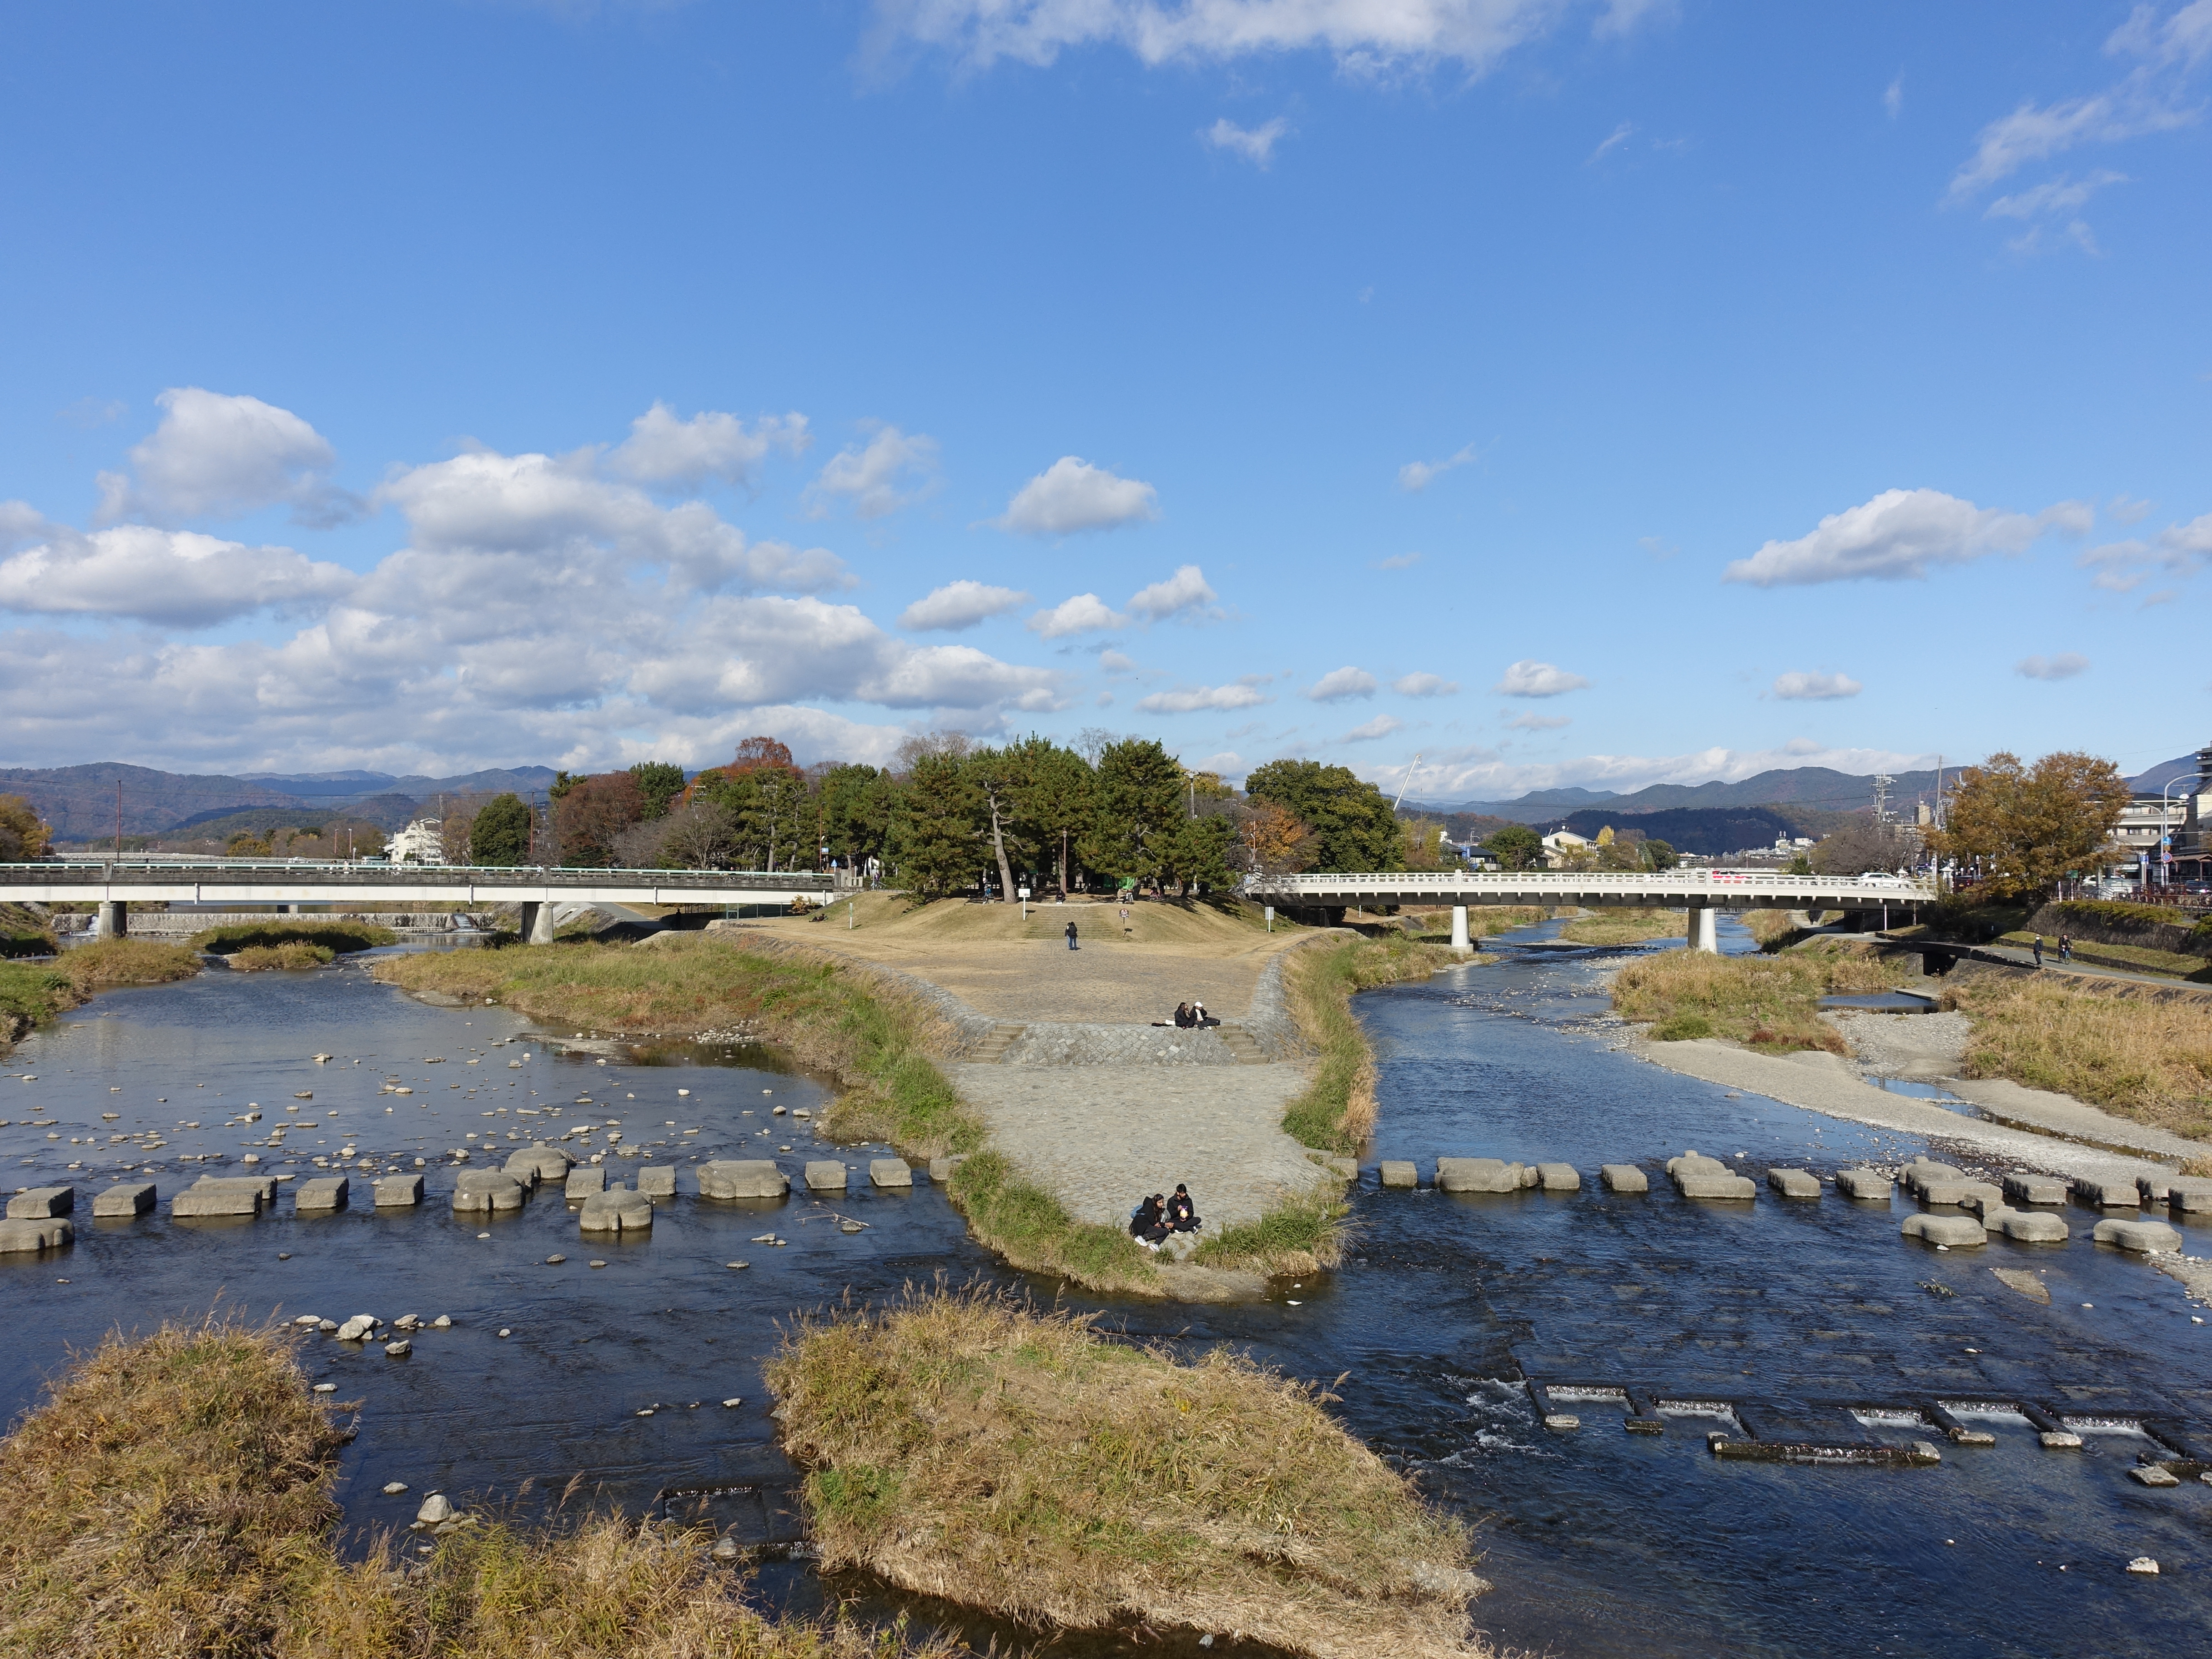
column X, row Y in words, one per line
column 1682, row 1028
column 334, row 936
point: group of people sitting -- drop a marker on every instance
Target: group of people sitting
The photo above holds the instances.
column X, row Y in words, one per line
column 1190, row 1015
column 1151, row 1221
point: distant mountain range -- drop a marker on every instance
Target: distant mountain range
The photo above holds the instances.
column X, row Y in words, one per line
column 79, row 801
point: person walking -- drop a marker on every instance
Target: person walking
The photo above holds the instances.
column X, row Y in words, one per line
column 2065, row 947
column 2038, row 948
column 1071, row 935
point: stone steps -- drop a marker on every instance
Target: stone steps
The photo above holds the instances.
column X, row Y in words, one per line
column 1240, row 1043
column 993, row 1048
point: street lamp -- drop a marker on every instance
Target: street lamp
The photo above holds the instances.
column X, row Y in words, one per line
column 2165, row 829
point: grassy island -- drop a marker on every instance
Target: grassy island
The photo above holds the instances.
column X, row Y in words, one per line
column 966, row 1446
column 33, row 992
column 171, row 1500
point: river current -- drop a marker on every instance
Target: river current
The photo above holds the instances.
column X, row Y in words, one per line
column 609, row 1382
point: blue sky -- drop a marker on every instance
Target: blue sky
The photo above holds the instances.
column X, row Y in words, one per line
column 1563, row 393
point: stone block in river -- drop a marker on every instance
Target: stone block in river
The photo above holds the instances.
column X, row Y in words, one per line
column 1793, row 1183
column 657, row 1179
column 264, row 1185
column 1695, row 1161
column 323, row 1193
column 617, row 1210
column 1479, row 1174
column 1958, row 1232
column 544, row 1164
column 1705, row 1184
column 941, row 1168
column 206, row 1198
column 40, row 1202
column 1623, row 1178
column 2114, row 1194
column 22, row 1234
column 586, row 1179
column 2028, row 1226
column 124, row 1198
column 1961, row 1192
column 1918, row 1173
column 1866, row 1185
column 884, row 1172
column 1560, row 1177
column 742, row 1178
column 2023, row 1187
column 1400, row 1172
column 1342, row 1165
column 2190, row 1194
column 479, row 1190
column 398, row 1192
column 2149, row 1237
column 825, row 1177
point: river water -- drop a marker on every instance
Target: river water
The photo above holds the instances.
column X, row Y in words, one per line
column 610, row 1382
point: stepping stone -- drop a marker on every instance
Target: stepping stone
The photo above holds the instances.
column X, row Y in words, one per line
column 617, row 1210
column 40, row 1202
column 2151, row 1475
column 1793, row 1183
column 544, row 1162
column 125, row 1197
column 825, row 1177
column 398, row 1192
column 2022, row 1188
column 210, row 1198
column 742, row 1178
column 1481, row 1175
column 1696, row 1175
column 1961, row 1192
column 1397, row 1172
column 1337, row 1164
column 2147, row 1237
column 24, row 1234
column 1958, row 1232
column 1869, row 1186
column 657, row 1179
column 480, row 1190
column 941, row 1168
column 2108, row 1195
column 1918, row 1173
column 1623, row 1178
column 586, row 1179
column 883, row 1172
column 323, row 1193
column 1560, row 1177
column 2028, row 1226
column 2190, row 1194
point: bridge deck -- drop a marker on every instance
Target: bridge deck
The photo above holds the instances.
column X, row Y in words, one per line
column 239, row 882
column 1728, row 889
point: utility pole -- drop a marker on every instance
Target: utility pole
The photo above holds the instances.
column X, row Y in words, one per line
column 1881, row 782
column 118, row 817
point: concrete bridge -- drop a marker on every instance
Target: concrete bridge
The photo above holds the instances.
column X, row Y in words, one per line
column 116, row 883
column 1703, row 893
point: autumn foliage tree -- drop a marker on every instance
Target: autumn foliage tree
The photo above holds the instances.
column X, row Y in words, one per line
column 23, row 834
column 2026, row 828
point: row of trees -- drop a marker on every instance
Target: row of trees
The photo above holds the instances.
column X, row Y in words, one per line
column 951, row 815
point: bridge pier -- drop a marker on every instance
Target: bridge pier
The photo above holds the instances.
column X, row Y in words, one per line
column 537, row 922
column 1705, row 933
column 1459, row 930
column 114, row 918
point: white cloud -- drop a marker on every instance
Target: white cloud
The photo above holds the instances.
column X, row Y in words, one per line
column 1381, row 727
column 2063, row 194
column 1226, row 764
column 1183, row 594
column 1424, row 685
column 1365, row 36
column 1114, row 662
column 175, row 577
column 219, row 457
column 1529, row 721
column 1420, row 475
column 892, row 471
column 1893, row 99
column 1256, row 144
column 2064, row 666
column 1797, row 686
column 664, row 450
column 1084, row 614
column 1620, row 135
column 1900, row 533
column 1530, row 678
column 2125, row 509
column 959, row 605
column 1342, row 682
column 1245, row 693
column 2179, row 550
column 1072, row 495
column 1398, row 561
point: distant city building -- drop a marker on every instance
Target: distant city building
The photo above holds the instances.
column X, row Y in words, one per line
column 1562, row 844
column 420, row 842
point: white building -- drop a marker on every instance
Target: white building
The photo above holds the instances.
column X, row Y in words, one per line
column 420, row 842
column 1560, row 844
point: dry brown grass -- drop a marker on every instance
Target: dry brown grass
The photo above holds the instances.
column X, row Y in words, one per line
column 1337, row 1111
column 964, row 1446
column 295, row 953
column 1764, row 1001
column 1627, row 925
column 106, row 965
column 2145, row 1058
column 172, row 1500
column 1768, row 926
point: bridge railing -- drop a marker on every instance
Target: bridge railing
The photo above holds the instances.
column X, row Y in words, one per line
column 215, row 872
column 1683, row 883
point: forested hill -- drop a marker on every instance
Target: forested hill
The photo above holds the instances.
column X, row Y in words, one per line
column 1710, row 832
column 1811, row 788
column 79, row 801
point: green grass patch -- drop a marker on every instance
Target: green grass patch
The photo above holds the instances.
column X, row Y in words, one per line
column 1764, row 1001
column 1303, row 1234
column 334, row 936
column 1027, row 1225
column 2140, row 958
column 1681, row 1028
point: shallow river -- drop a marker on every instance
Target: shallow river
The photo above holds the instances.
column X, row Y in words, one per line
column 610, row 1382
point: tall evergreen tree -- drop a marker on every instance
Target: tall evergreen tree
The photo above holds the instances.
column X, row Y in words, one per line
column 854, row 804
column 499, row 835
column 938, row 839
column 661, row 782
column 1138, row 808
column 1353, row 827
column 1057, row 801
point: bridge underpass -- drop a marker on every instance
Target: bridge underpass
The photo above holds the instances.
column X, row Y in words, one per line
column 115, row 885
column 1705, row 893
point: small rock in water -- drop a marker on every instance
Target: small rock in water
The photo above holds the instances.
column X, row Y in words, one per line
column 483, row 1235
column 436, row 1508
column 725, row 1549
column 357, row 1329
column 283, row 1256
column 598, row 1264
column 2143, row 1563
column 502, row 1330
column 849, row 1226
column 648, row 1411
column 308, row 1319
column 737, row 1264
column 326, row 1388
column 733, row 1400
column 393, row 1488
column 398, row 1349
column 442, row 1320
column 555, row 1261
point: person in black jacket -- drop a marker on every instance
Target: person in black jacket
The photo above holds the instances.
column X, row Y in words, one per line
column 1148, row 1223
column 1070, row 936
column 1184, row 1019
column 1183, row 1215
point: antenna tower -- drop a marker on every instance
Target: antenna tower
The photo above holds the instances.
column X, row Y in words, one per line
column 1881, row 782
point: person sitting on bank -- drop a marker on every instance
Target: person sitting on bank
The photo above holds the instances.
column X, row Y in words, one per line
column 1199, row 1015
column 1184, row 1019
column 1148, row 1223
column 1182, row 1214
